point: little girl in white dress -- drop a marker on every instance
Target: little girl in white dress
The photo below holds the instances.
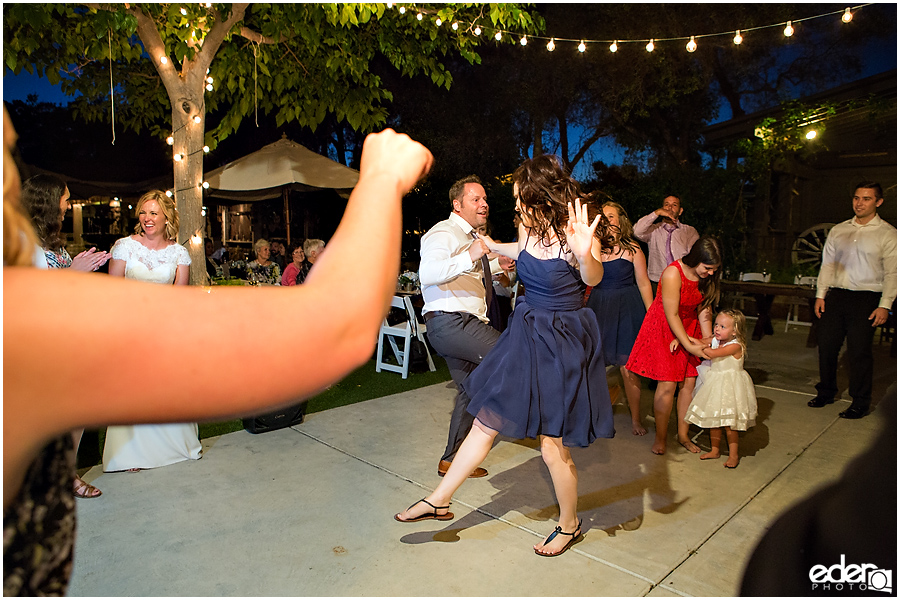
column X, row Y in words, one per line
column 724, row 396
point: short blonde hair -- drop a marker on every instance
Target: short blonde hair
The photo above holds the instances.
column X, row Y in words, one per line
column 168, row 209
column 310, row 245
column 259, row 244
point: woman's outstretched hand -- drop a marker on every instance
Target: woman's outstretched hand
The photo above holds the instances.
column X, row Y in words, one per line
column 580, row 230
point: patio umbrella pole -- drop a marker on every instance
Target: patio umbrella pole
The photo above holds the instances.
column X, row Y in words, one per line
column 287, row 214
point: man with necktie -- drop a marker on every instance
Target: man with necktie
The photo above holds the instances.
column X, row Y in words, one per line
column 667, row 237
column 456, row 286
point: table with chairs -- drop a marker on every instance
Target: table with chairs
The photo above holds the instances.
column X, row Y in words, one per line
column 764, row 292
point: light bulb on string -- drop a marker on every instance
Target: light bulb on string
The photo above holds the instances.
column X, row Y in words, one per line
column 788, row 30
column 184, row 11
column 811, row 134
column 455, row 26
column 177, row 157
column 847, row 16
column 737, row 38
column 691, row 45
column 551, row 45
column 206, row 149
column 582, row 47
column 477, row 31
column 438, row 21
column 614, row 47
column 498, row 36
column 650, row 46
column 209, row 88
column 205, row 185
column 419, row 16
column 402, row 9
column 168, row 193
column 197, row 119
column 390, row 4
column 163, row 60
column 209, row 80
column 524, row 41
column 170, row 140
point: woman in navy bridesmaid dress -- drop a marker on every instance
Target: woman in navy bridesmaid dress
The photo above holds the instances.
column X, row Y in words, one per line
column 546, row 377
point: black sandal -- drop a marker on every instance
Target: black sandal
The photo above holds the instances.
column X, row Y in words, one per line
column 577, row 536
column 432, row 515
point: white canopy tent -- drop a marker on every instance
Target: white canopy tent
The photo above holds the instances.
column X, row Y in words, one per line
column 275, row 170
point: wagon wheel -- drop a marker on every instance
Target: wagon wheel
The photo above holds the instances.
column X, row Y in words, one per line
column 807, row 249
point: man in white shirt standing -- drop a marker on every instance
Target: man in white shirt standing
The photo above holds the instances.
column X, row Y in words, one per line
column 856, row 286
column 451, row 273
column 667, row 238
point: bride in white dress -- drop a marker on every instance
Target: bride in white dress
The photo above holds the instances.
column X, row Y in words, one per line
column 151, row 255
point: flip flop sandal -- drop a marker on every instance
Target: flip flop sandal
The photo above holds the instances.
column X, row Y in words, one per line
column 576, row 537
column 430, row 515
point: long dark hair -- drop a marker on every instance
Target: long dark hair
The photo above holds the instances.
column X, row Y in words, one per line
column 706, row 250
column 545, row 191
column 40, row 197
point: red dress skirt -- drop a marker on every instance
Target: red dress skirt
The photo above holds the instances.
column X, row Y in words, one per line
column 650, row 356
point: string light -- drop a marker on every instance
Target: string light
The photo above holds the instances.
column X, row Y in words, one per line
column 184, row 11
column 209, row 87
column 168, row 193
column 498, row 36
column 650, row 46
column 163, row 59
column 582, row 47
column 524, row 40
column 390, row 4
column 204, row 185
column 170, row 140
column 811, row 134
column 691, row 45
column 419, row 16
column 177, row 157
column 209, row 80
column 438, row 21
column 614, row 46
column 206, row 149
column 477, row 30
column 455, row 26
column 788, row 30
column 551, row 46
column 737, row 38
column 847, row 16
column 402, row 9
column 197, row 119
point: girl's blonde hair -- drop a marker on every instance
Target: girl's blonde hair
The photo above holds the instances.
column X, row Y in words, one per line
column 740, row 327
column 19, row 239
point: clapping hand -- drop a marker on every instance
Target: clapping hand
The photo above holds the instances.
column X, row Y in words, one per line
column 89, row 260
column 580, row 231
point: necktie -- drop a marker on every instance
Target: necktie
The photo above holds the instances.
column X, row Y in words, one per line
column 486, row 277
column 669, row 257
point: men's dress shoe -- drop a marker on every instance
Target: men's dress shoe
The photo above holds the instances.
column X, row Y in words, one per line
column 854, row 412
column 444, row 466
column 818, row 402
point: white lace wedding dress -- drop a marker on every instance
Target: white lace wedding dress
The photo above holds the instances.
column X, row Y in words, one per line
column 148, row 446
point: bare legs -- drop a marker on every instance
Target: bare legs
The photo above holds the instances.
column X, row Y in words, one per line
column 565, row 484
column 663, row 400
column 632, row 386
column 472, row 453
column 715, row 440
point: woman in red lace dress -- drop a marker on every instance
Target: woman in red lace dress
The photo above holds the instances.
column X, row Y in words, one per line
column 667, row 347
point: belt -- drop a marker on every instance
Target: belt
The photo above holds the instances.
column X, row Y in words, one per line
column 433, row 313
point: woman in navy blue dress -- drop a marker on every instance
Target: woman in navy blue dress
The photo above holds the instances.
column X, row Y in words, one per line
column 620, row 301
column 546, row 377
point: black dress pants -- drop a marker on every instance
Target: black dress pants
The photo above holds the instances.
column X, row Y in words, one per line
column 847, row 316
column 463, row 340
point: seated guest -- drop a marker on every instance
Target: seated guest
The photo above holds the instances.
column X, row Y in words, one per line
column 312, row 249
column 294, row 269
column 211, row 264
column 278, row 255
column 262, row 269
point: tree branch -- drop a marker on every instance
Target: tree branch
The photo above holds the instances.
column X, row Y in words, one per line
column 258, row 37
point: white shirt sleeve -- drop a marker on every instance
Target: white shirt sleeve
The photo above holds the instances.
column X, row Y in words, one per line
column 437, row 266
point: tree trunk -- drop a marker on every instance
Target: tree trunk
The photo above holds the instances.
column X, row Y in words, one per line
column 538, row 133
column 189, row 172
column 563, row 140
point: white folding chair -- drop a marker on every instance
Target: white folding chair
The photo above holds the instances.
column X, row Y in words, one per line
column 405, row 330
column 794, row 304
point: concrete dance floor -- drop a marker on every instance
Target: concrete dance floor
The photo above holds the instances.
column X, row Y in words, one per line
column 307, row 511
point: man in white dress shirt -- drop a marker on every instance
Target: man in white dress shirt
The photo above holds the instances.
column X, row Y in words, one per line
column 857, row 285
column 451, row 273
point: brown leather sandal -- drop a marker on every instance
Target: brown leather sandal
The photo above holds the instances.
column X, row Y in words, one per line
column 83, row 489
